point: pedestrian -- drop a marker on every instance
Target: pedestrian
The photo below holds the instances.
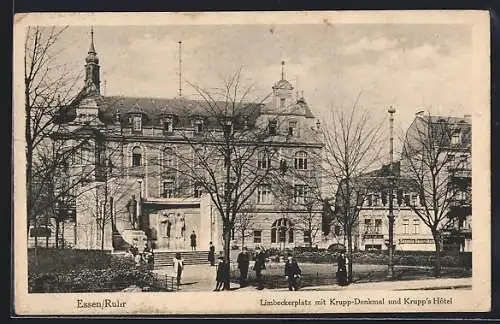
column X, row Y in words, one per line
column 259, row 267
column 243, row 261
column 292, row 273
column 222, row 274
column 211, row 254
column 178, row 267
column 341, row 270
column 193, row 241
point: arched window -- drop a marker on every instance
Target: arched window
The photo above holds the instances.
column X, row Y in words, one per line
column 282, row 231
column 136, row 156
column 301, row 161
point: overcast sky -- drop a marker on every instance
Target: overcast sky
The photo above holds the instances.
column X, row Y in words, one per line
column 412, row 67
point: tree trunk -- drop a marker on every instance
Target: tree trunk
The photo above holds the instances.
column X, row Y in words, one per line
column 242, row 239
column 437, row 244
column 227, row 243
column 349, row 256
column 57, row 232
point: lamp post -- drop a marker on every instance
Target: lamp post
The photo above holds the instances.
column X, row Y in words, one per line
column 139, row 203
column 391, row 217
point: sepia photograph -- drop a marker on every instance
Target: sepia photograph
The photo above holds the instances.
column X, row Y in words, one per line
column 251, row 163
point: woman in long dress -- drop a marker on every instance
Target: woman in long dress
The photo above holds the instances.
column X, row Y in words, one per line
column 178, row 267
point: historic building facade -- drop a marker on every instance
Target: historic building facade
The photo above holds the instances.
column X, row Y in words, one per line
column 130, row 187
column 371, row 230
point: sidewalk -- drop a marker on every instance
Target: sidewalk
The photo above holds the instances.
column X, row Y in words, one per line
column 422, row 284
column 202, row 278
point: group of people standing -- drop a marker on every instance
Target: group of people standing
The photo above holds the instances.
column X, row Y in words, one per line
column 146, row 257
column 292, row 270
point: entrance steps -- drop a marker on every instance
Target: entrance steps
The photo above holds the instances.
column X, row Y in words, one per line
column 165, row 258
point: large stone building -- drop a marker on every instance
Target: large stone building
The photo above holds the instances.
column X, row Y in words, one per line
column 130, row 164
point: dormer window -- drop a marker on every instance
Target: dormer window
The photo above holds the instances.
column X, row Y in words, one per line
column 168, row 125
column 198, row 126
column 455, row 138
column 273, row 127
column 137, row 123
column 228, row 126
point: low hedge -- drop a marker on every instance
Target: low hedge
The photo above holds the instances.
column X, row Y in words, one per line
column 61, row 260
column 87, row 272
column 407, row 258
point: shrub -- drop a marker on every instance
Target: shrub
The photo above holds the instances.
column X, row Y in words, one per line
column 94, row 273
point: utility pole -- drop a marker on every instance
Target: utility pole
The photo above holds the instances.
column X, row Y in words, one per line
column 391, row 217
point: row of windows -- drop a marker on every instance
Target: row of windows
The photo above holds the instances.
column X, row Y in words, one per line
column 375, row 226
column 281, row 236
column 263, row 162
column 264, row 193
column 292, row 130
column 400, row 198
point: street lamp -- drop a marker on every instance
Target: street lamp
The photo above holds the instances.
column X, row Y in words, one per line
column 391, row 217
column 139, row 203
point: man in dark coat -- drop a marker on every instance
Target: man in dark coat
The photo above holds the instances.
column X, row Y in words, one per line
column 243, row 261
column 259, row 266
column 292, row 273
column 211, row 254
column 341, row 270
column 193, row 241
column 222, row 274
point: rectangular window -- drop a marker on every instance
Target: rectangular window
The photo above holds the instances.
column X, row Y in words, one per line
column 137, row 123
column 264, row 194
column 338, row 230
column 307, row 237
column 257, row 236
column 168, row 189
column 300, row 193
column 378, row 226
column 292, row 128
column 264, row 161
column 273, row 127
column 368, row 226
column 406, row 199
column 406, row 223
column 416, row 226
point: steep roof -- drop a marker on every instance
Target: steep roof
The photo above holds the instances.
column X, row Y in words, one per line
column 183, row 110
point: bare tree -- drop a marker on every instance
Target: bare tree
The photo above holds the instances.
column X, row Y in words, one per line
column 220, row 151
column 430, row 158
column 244, row 221
column 48, row 86
column 352, row 148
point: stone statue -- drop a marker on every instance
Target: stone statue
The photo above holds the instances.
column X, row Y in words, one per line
column 132, row 212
